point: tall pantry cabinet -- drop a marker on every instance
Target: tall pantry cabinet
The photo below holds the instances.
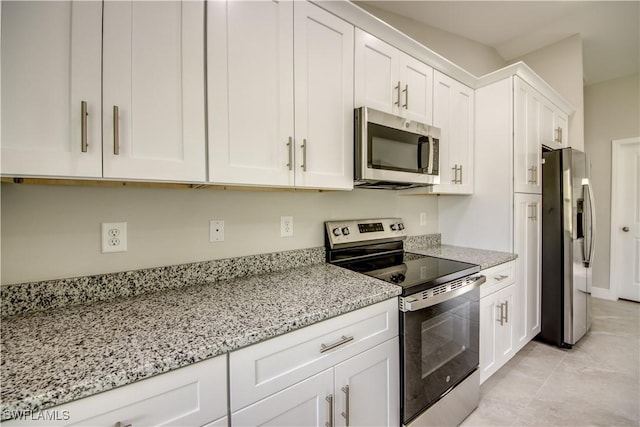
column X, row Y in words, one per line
column 507, row 199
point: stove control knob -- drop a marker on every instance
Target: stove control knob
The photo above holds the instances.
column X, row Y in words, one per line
column 394, row 227
column 336, row 231
column 398, row 278
column 400, row 226
column 345, row 231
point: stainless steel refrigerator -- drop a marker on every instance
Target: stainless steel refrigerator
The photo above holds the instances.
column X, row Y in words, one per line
column 568, row 231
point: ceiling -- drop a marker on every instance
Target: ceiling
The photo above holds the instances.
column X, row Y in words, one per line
column 609, row 29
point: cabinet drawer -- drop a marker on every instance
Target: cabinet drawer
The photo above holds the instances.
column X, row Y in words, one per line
column 498, row 277
column 268, row 367
column 189, row 396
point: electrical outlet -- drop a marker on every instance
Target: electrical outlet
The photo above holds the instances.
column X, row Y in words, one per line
column 114, row 237
column 216, row 230
column 286, row 226
column 423, row 218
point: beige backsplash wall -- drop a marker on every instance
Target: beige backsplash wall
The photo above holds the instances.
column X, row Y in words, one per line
column 54, row 231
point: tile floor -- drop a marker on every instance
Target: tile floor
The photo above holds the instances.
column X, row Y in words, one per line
column 595, row 383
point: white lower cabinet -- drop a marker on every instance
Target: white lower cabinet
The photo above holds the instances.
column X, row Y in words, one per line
column 361, row 391
column 498, row 310
column 303, row 404
column 343, row 368
column 191, row 396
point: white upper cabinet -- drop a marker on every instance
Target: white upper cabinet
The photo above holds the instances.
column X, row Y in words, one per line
column 554, row 132
column 391, row 81
column 453, row 113
column 50, row 69
column 154, row 75
column 323, row 65
column 250, row 82
column 527, row 154
column 150, row 57
column 254, row 50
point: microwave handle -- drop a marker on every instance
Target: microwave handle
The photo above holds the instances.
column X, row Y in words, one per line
column 426, row 154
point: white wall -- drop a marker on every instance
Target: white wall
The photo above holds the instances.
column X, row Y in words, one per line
column 54, row 231
column 560, row 65
column 612, row 111
column 474, row 57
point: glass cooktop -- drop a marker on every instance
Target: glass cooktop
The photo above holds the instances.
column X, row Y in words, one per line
column 413, row 272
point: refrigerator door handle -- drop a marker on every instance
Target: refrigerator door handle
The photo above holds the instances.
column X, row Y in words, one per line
column 591, row 225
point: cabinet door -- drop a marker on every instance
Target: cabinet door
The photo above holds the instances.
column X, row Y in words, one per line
column 377, row 83
column 553, row 126
column 250, row 84
column 489, row 324
column 307, row 403
column 527, row 143
column 323, row 99
column 416, row 90
column 562, row 126
column 51, row 54
column 367, row 387
column 453, row 114
column 153, row 62
column 497, row 315
column 527, row 240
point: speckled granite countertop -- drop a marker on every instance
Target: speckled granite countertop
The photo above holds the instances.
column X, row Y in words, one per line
column 482, row 257
column 56, row 356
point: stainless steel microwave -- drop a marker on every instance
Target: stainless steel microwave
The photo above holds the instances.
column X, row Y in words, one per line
column 393, row 152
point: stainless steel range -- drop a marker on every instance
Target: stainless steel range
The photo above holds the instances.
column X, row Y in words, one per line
column 439, row 317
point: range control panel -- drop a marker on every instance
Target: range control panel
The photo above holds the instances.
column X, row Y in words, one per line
column 362, row 231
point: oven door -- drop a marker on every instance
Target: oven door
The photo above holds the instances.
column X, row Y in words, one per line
column 439, row 347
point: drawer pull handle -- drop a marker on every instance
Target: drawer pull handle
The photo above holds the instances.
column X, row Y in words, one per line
column 501, row 277
column 343, row 340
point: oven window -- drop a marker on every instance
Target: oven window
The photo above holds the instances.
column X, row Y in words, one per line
column 444, row 337
column 439, row 349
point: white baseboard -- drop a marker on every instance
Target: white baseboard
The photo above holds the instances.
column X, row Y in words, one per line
column 602, row 293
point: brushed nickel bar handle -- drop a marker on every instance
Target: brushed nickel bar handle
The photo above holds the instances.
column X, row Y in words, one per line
column 345, row 414
column 290, row 149
column 304, row 155
column 406, row 97
column 83, row 126
column 501, row 320
column 330, row 401
column 506, row 311
column 343, row 340
column 460, row 168
column 535, row 175
column 501, row 277
column 534, row 207
column 116, row 130
column 454, row 180
column 398, row 89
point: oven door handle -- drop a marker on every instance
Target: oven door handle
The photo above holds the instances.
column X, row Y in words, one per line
column 415, row 302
